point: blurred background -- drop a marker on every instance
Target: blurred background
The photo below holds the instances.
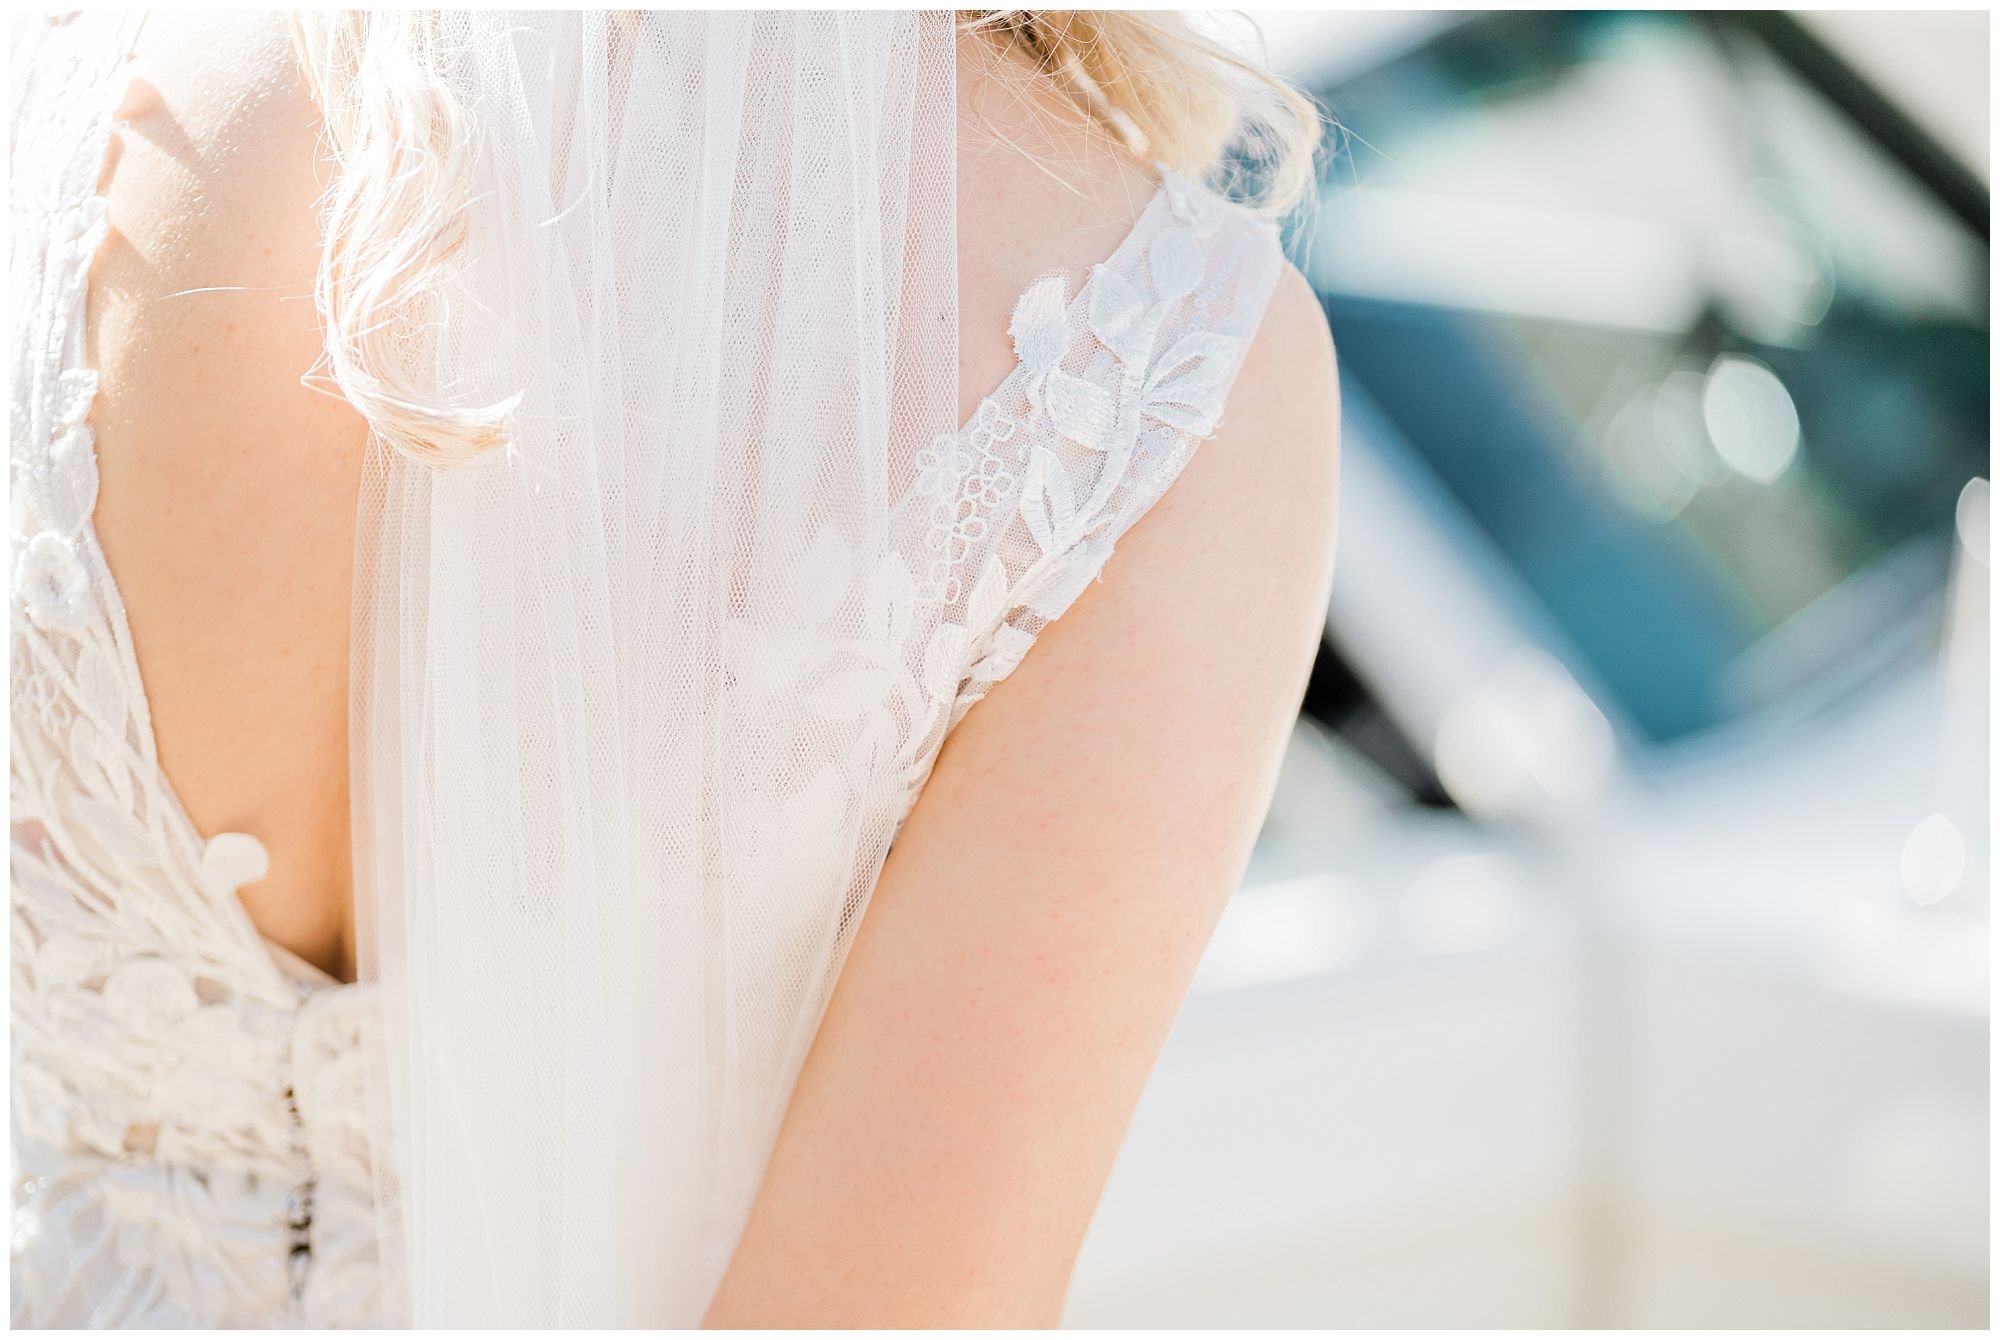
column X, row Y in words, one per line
column 1616, row 951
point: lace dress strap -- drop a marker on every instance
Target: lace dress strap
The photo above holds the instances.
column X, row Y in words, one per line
column 1114, row 390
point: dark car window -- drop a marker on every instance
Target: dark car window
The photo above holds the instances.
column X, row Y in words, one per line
column 1706, row 364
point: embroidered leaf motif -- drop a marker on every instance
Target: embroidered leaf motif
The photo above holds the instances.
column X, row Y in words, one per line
column 943, row 659
column 71, row 492
column 50, row 583
column 66, row 960
column 231, row 860
column 1060, row 591
column 1176, row 261
column 891, row 598
column 1041, row 324
column 114, row 759
column 1048, row 502
column 1117, row 314
column 76, row 388
column 19, row 423
column 1192, row 205
column 1010, row 644
column 150, row 996
column 1185, row 388
column 1082, row 412
column 100, row 687
column 988, row 602
column 91, row 762
column 876, row 744
column 113, row 827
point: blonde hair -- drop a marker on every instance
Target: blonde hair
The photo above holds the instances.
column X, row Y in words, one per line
column 402, row 144
column 1172, row 94
column 392, row 220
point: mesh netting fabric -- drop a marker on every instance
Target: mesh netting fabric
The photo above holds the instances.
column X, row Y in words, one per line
column 643, row 696
column 605, row 888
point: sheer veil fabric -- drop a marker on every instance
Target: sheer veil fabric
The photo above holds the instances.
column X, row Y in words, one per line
column 642, row 696
column 638, row 696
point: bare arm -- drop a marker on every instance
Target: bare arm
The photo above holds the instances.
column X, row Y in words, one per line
column 1042, row 914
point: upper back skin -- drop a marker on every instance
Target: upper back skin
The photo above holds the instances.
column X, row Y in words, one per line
column 228, row 485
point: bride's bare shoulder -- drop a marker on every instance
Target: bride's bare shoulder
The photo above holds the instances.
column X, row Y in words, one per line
column 202, row 308
column 226, row 498
column 1041, row 186
column 201, row 320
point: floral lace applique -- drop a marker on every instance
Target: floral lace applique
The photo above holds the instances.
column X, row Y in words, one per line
column 1113, row 391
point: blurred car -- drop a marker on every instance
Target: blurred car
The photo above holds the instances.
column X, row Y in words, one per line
column 1615, row 953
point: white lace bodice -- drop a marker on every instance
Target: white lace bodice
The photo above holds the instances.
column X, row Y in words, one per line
column 188, row 1141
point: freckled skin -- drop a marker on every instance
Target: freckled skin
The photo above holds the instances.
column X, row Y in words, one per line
column 226, row 509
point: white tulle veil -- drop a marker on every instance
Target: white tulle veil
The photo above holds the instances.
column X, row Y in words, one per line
column 713, row 255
